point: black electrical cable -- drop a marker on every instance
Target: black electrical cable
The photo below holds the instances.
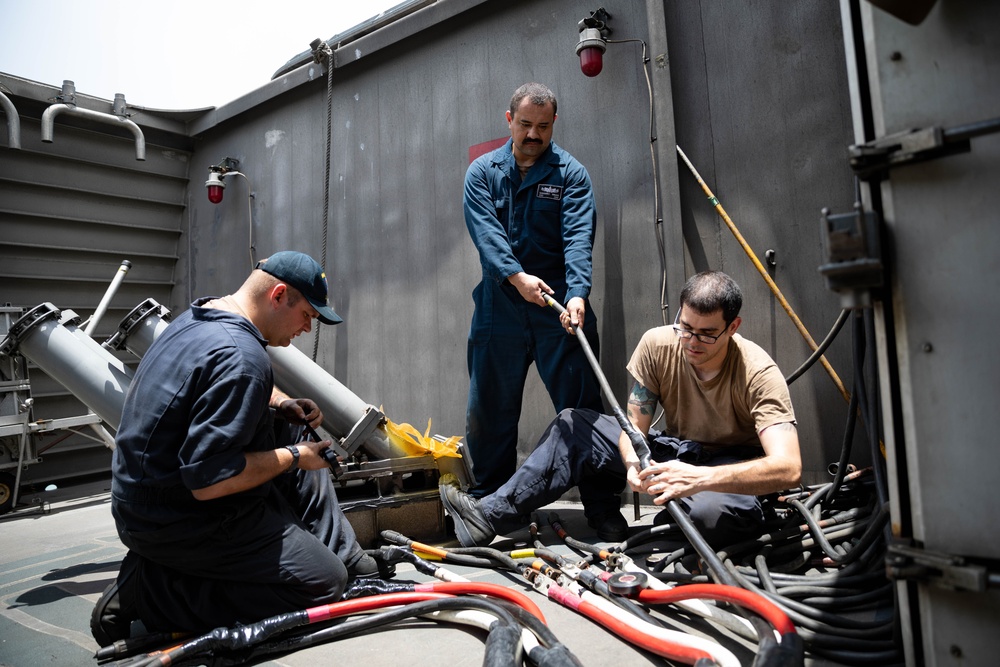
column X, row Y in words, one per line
column 871, row 534
column 881, row 658
column 878, row 461
column 790, row 534
column 328, row 53
column 542, row 632
column 671, row 558
column 550, row 556
column 845, row 600
column 128, row 647
column 657, row 217
column 493, row 556
column 649, row 535
column 821, row 621
column 357, row 625
column 579, row 545
column 394, row 553
column 818, row 352
column 718, row 570
column 807, row 542
column 875, row 431
column 848, row 441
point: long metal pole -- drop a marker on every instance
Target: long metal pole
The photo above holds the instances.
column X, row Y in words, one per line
column 763, row 272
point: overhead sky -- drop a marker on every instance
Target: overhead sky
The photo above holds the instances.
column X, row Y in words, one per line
column 167, row 54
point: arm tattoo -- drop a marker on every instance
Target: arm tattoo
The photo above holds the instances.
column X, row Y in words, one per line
column 781, row 426
column 641, row 400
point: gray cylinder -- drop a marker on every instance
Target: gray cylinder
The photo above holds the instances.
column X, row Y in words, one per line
column 298, row 375
column 73, row 359
column 140, row 328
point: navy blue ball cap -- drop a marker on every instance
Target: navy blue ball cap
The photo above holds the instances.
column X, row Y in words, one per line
column 304, row 273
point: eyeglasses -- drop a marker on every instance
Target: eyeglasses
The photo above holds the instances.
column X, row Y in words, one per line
column 685, row 334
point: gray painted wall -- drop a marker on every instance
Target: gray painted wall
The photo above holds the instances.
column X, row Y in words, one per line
column 761, row 105
column 760, row 100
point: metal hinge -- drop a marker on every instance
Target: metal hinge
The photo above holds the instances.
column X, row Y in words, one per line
column 907, row 562
column 873, row 160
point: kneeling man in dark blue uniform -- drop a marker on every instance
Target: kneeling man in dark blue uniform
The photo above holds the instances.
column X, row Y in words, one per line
column 228, row 514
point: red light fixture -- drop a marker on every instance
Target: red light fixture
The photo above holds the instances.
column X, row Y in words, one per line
column 215, row 186
column 591, row 48
column 216, row 175
column 593, row 42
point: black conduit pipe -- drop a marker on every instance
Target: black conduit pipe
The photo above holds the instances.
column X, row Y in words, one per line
column 818, row 352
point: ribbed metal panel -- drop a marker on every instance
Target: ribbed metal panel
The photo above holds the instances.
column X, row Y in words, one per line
column 70, row 212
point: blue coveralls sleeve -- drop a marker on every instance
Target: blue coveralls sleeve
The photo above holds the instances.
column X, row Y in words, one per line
column 484, row 201
column 226, row 421
column 579, row 220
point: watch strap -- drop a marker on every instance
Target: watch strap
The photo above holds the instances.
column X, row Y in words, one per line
column 295, row 458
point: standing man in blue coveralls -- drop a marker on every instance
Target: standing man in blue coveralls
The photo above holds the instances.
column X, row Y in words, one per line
column 529, row 207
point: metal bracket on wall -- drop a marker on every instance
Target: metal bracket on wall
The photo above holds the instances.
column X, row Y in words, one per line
column 939, row 569
column 873, row 160
column 853, row 256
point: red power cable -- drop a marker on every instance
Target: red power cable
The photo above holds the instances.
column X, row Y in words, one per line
column 482, row 588
column 359, row 605
column 755, row 603
column 673, row 651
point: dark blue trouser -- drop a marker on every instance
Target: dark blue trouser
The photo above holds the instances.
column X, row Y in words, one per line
column 579, row 444
column 248, row 558
column 507, row 335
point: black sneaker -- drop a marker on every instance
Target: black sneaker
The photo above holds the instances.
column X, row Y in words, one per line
column 114, row 612
column 472, row 527
column 611, row 526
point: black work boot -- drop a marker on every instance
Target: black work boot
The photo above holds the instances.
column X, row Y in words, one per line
column 370, row 565
column 611, row 526
column 114, row 612
column 472, row 527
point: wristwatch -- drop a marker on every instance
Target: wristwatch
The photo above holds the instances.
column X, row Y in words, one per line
column 295, row 458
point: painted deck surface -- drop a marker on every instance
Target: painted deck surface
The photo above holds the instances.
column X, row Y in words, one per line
column 57, row 556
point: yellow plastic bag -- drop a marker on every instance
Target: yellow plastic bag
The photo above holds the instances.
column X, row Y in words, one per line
column 409, row 440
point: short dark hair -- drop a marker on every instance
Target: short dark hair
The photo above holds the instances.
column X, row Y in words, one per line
column 536, row 93
column 710, row 291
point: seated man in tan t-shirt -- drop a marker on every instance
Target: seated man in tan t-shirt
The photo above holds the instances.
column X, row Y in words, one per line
column 729, row 431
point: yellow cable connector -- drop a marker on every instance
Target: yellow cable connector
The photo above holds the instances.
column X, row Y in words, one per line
column 410, row 441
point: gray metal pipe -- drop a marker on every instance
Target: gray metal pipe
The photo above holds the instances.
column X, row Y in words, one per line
column 102, row 307
column 48, row 119
column 13, row 122
column 298, row 375
column 52, row 340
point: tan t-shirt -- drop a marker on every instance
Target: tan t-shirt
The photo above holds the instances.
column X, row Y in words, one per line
column 748, row 395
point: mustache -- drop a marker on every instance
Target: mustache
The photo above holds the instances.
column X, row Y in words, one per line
column 532, row 141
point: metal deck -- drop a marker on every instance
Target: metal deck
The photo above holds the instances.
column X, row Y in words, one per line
column 61, row 550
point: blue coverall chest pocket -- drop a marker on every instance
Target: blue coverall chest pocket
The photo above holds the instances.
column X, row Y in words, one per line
column 546, row 205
